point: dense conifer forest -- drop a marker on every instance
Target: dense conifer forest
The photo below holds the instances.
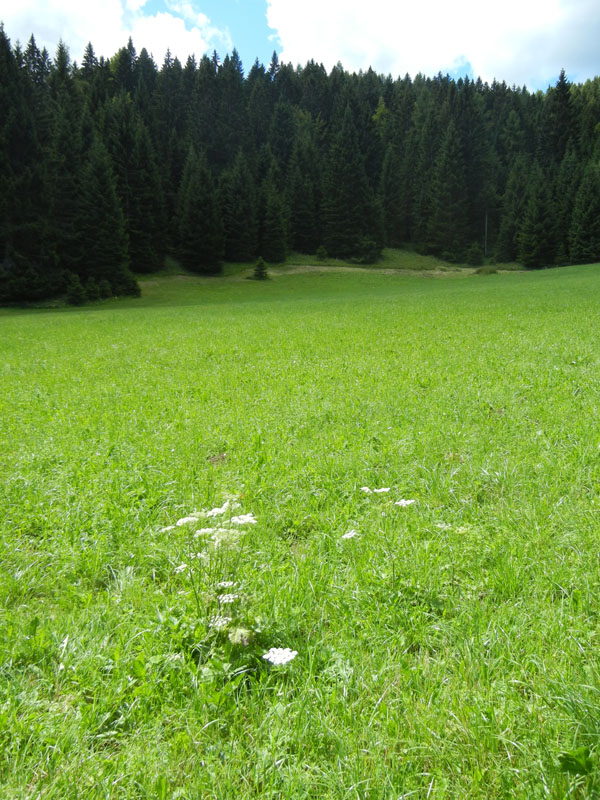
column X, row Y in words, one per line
column 110, row 165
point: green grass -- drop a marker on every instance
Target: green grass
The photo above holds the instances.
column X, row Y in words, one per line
column 449, row 650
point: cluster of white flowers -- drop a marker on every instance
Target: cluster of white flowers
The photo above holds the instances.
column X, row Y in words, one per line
column 225, row 599
column 383, row 489
column 350, row 534
column 244, row 519
column 280, row 655
column 220, row 622
column 403, row 503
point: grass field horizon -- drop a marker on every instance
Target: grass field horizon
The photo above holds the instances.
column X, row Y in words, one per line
column 445, row 629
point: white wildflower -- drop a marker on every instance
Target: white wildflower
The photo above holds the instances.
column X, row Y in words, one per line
column 216, row 512
column 403, row 503
column 350, row 535
column 205, row 532
column 280, row 655
column 443, row 526
column 181, row 568
column 226, row 536
column 168, row 528
column 380, row 491
column 226, row 584
column 186, row 521
column 225, row 599
column 219, row 622
column 365, row 489
column 244, row 519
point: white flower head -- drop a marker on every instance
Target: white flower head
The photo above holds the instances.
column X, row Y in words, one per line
column 186, row 521
column 228, row 537
column 216, row 512
column 244, row 519
column 280, row 655
column 219, row 622
column 225, row 599
column 180, row 568
column 204, row 532
column 365, row 489
column 226, row 584
column 403, row 503
column 381, row 491
column 350, row 535
column 168, row 528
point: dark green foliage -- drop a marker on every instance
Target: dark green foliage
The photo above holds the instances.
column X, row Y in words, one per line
column 201, row 238
column 475, row 255
column 512, row 211
column 239, row 211
column 92, row 289
column 536, row 239
column 273, row 245
column 75, row 294
column 585, row 227
column 448, row 222
column 349, row 208
column 97, row 179
column 260, row 270
column 101, row 224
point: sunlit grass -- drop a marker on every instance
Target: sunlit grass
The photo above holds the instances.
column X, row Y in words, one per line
column 447, row 648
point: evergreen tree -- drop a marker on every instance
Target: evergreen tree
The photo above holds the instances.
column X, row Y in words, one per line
column 513, row 210
column 273, row 247
column 585, row 226
column 536, row 240
column 201, row 238
column 239, row 211
column 146, row 225
column 447, row 229
column 393, row 197
column 101, row 223
column 349, row 209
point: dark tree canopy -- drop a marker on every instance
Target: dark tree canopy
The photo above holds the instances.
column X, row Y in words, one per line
column 111, row 165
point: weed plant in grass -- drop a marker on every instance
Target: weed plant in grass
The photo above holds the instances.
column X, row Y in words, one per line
column 445, row 647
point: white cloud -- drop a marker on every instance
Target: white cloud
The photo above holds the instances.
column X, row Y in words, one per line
column 520, row 41
column 109, row 23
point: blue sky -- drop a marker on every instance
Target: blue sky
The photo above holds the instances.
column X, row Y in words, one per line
column 524, row 42
column 246, row 22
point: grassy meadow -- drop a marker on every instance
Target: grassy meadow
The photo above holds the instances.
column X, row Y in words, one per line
column 446, row 647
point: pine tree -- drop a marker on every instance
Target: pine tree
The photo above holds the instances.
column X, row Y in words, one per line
column 102, row 225
column 348, row 205
column 273, row 246
column 585, row 227
column 146, row 225
column 239, row 211
column 201, row 238
column 513, row 210
column 448, row 229
column 536, row 239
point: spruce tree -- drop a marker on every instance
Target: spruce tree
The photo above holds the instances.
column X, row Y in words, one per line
column 512, row 212
column 536, row 239
column 585, row 226
column 448, row 228
column 348, row 205
column 201, row 238
column 102, row 225
column 273, row 246
column 239, row 211
column 146, row 225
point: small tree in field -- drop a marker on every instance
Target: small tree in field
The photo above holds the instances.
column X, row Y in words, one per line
column 260, row 270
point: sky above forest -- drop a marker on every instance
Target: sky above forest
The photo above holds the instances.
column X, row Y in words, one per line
column 524, row 42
